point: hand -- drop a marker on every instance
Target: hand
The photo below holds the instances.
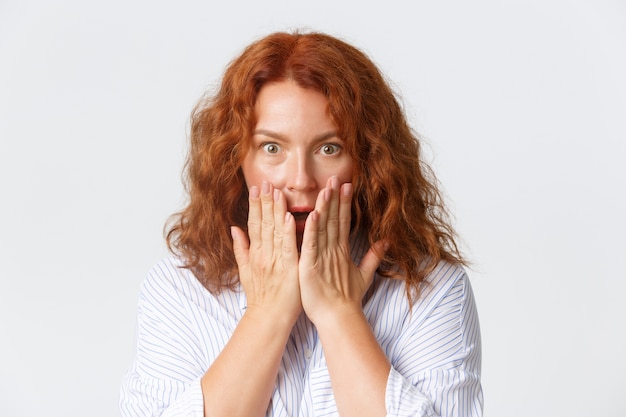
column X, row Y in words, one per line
column 268, row 260
column 330, row 282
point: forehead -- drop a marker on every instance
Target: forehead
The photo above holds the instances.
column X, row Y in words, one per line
column 286, row 99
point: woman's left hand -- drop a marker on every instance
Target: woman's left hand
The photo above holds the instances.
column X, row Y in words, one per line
column 330, row 282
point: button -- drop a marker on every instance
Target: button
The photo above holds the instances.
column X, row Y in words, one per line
column 308, row 353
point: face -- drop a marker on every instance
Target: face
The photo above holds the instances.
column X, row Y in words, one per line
column 295, row 147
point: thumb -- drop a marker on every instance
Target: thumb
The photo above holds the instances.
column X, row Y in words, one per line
column 373, row 258
column 241, row 245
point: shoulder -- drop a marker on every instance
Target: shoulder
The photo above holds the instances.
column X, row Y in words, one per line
column 168, row 280
column 445, row 296
column 168, row 272
column 442, row 280
column 170, row 286
column 439, row 283
column 447, row 286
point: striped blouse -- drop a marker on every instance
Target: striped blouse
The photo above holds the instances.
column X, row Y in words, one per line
column 434, row 349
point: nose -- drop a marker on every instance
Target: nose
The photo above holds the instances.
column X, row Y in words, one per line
column 300, row 175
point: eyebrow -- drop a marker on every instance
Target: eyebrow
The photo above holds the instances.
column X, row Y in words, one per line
column 283, row 138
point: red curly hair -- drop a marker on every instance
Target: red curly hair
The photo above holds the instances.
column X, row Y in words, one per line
column 395, row 193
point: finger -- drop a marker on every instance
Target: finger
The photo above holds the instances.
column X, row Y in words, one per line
column 345, row 207
column 310, row 237
column 241, row 246
column 321, row 210
column 373, row 258
column 254, row 217
column 332, row 219
column 267, row 216
column 280, row 208
column 289, row 244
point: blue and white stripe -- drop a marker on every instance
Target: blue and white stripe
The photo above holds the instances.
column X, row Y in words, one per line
column 434, row 349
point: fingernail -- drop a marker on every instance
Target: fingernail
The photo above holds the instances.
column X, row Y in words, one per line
column 334, row 183
column 276, row 195
column 254, row 191
column 265, row 188
column 327, row 194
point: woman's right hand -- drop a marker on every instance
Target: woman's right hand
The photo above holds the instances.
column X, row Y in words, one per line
column 268, row 257
column 240, row 382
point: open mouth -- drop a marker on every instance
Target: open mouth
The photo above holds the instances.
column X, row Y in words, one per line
column 300, row 216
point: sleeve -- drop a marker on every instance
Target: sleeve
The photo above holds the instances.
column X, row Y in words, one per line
column 436, row 367
column 164, row 378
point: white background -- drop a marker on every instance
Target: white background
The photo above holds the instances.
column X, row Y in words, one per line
column 523, row 107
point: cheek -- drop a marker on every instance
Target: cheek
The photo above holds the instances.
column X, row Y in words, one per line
column 344, row 173
column 255, row 173
column 249, row 171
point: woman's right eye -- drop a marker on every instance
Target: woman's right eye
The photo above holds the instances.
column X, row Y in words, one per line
column 271, row 148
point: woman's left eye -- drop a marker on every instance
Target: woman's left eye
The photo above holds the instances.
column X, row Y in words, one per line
column 330, row 149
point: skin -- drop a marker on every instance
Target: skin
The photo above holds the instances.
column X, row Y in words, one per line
column 296, row 257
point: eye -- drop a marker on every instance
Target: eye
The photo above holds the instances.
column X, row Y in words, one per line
column 271, row 148
column 330, row 149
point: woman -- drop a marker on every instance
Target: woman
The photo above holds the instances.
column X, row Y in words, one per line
column 313, row 270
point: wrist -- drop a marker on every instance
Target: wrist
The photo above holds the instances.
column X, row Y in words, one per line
column 339, row 316
column 271, row 318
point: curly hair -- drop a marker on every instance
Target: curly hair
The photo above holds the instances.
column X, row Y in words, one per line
column 396, row 196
